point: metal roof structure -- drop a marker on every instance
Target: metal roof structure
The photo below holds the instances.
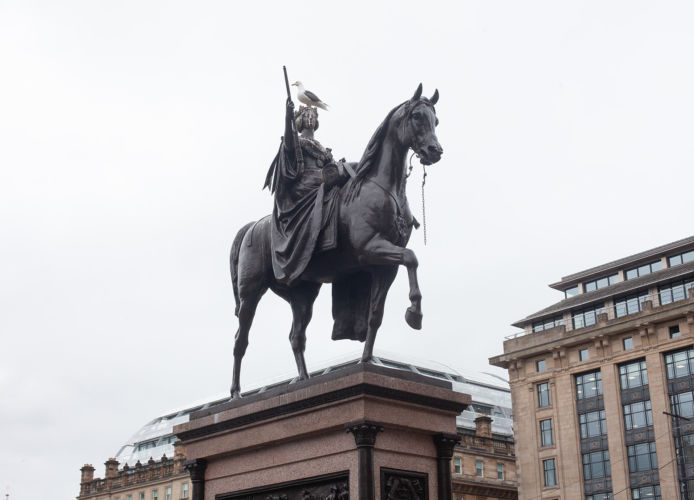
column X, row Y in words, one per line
column 490, row 395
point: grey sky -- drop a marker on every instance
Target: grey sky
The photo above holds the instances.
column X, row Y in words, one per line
column 135, row 137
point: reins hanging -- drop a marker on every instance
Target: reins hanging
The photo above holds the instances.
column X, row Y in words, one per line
column 424, row 181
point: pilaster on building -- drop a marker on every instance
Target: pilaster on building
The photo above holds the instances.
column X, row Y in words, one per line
column 602, row 382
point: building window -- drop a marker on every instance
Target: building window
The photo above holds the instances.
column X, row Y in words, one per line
column 644, row 270
column 583, row 355
column 627, row 343
column 547, row 323
column 674, row 292
column 550, row 472
column 646, row 493
column 589, row 385
column 587, row 317
column 571, row 292
column 155, row 494
column 168, row 493
column 184, row 491
column 546, row 435
column 479, row 468
column 543, row 395
column 142, row 495
column 596, row 465
column 592, row 424
column 682, row 258
column 600, row 496
column 458, row 465
column 600, row 283
column 630, row 304
column 130, row 497
column 642, row 457
column 633, row 374
column 679, row 363
column 500, row 471
column 638, row 415
column 674, row 332
column 541, row 365
column 682, row 404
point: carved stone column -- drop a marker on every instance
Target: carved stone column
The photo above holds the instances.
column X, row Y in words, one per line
column 445, row 443
column 365, row 438
column 196, row 468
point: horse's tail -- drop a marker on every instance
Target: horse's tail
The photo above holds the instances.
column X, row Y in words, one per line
column 234, row 262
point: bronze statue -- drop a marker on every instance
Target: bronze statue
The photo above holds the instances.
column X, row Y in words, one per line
column 352, row 236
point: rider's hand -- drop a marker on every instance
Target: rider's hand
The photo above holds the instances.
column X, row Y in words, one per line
column 290, row 104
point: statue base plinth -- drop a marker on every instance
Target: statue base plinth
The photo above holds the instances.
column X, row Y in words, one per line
column 361, row 431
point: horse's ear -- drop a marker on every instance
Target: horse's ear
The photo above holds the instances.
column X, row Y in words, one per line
column 417, row 93
column 435, row 98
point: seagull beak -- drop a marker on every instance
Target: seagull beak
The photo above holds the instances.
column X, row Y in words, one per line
column 293, row 84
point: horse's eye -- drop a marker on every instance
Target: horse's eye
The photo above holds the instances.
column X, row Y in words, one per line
column 437, row 122
column 417, row 116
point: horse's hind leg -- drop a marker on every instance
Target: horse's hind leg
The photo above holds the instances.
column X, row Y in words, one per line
column 380, row 284
column 247, row 309
column 301, row 299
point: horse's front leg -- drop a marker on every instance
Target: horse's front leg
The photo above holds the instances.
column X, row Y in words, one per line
column 379, row 251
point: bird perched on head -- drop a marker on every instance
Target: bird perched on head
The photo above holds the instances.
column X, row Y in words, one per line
column 307, row 97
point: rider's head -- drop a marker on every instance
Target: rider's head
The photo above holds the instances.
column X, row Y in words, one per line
column 306, row 119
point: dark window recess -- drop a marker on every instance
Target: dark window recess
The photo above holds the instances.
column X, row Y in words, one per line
column 600, row 496
column 674, row 332
column 631, row 304
column 588, row 385
column 541, row 365
column 644, row 270
column 587, row 317
column 633, row 374
column 571, row 292
column 642, row 457
column 638, row 415
column 627, row 343
column 583, row 355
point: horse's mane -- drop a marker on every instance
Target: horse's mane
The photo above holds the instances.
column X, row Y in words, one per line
column 368, row 159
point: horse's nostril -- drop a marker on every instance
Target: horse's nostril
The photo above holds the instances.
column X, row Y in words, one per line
column 435, row 149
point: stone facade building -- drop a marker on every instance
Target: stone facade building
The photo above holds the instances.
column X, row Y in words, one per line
column 602, row 382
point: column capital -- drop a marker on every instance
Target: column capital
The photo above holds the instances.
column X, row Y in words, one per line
column 445, row 443
column 196, row 468
column 364, row 432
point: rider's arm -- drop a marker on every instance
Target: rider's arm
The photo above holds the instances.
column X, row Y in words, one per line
column 288, row 126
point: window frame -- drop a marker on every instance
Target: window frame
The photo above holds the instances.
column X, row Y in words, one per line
column 541, row 365
column 546, row 432
column 674, row 331
column 634, row 457
column 600, row 283
column 586, row 426
column 655, row 266
column 540, row 392
column 581, row 383
column 547, row 323
column 632, row 409
column 588, row 316
column 549, row 470
column 479, row 468
column 685, row 356
column 457, row 465
column 625, row 371
column 583, row 354
column 500, row 471
column 596, row 465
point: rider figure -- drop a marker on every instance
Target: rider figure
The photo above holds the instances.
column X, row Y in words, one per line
column 304, row 215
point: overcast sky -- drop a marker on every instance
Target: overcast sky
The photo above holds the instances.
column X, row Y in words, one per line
column 135, row 137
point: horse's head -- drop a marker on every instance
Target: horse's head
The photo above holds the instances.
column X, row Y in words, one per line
column 419, row 127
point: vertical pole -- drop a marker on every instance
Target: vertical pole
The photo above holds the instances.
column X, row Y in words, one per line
column 197, row 468
column 445, row 443
column 365, row 439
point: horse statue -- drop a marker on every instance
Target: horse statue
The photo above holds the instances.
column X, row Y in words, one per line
column 374, row 224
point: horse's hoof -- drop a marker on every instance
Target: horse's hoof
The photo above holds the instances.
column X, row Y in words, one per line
column 235, row 395
column 366, row 359
column 413, row 318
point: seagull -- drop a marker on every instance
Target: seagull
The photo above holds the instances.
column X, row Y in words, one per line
column 307, row 97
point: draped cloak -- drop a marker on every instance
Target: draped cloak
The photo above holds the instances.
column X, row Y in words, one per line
column 304, row 214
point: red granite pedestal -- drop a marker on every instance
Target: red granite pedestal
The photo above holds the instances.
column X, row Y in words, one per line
column 363, row 432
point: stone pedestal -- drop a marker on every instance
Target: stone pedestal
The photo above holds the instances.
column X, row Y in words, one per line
column 363, row 432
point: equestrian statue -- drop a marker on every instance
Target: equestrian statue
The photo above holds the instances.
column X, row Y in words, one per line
column 334, row 222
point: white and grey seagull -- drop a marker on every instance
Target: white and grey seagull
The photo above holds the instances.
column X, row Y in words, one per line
column 307, row 97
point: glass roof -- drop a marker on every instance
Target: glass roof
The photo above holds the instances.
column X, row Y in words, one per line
column 490, row 395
